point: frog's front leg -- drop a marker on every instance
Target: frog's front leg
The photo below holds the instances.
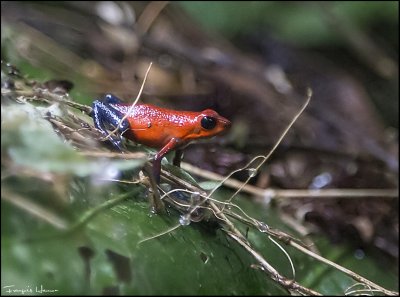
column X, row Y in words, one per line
column 104, row 115
column 172, row 144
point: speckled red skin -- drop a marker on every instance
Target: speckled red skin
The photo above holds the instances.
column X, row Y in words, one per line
column 155, row 126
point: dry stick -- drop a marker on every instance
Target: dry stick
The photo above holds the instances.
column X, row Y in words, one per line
column 298, row 193
column 73, row 134
column 137, row 155
column 333, row 193
column 288, row 284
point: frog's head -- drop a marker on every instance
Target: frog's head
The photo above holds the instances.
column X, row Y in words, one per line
column 210, row 123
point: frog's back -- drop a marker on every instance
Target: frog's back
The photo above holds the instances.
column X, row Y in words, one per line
column 155, row 126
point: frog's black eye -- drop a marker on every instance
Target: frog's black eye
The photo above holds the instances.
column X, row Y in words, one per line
column 208, row 123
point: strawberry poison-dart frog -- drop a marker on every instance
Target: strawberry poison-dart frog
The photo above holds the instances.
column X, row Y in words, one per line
column 160, row 128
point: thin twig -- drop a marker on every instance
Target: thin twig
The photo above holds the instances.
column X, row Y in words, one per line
column 296, row 193
column 288, row 284
column 159, row 234
column 137, row 155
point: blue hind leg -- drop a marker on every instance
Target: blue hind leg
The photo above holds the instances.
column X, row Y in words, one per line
column 104, row 115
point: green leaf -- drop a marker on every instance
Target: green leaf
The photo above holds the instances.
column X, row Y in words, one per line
column 194, row 259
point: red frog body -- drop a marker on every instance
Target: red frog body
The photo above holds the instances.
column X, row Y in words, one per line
column 156, row 127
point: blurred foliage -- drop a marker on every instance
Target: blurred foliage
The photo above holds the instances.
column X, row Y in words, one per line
column 302, row 23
